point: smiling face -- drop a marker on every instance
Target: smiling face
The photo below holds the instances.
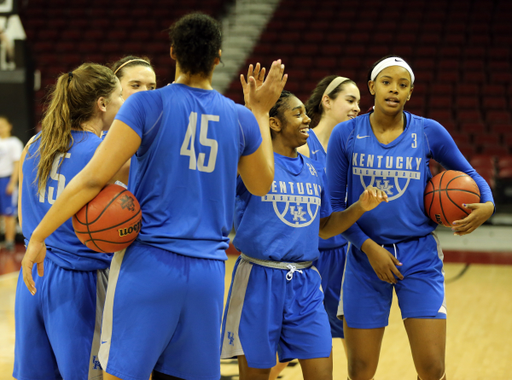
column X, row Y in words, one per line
column 292, row 126
column 346, row 104
column 137, row 78
column 392, row 88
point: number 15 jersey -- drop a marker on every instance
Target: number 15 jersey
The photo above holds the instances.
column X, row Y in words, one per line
column 185, row 169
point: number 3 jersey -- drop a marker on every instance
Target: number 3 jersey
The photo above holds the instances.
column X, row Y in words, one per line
column 356, row 159
column 184, row 175
column 63, row 247
column 284, row 224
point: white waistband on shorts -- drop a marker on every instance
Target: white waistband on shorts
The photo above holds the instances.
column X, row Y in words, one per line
column 277, row 264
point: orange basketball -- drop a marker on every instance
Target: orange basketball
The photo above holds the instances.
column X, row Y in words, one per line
column 445, row 195
column 109, row 222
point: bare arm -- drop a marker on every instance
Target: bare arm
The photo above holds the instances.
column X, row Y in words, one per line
column 14, row 177
column 257, row 169
column 20, row 180
column 119, row 145
column 339, row 221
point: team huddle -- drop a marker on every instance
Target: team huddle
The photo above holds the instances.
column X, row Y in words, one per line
column 327, row 207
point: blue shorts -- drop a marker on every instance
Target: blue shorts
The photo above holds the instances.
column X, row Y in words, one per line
column 7, row 201
column 331, row 265
column 366, row 300
column 163, row 311
column 57, row 329
column 266, row 314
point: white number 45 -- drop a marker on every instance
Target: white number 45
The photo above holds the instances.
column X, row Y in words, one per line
column 187, row 148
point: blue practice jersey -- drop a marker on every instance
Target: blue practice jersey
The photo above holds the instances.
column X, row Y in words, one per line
column 317, row 153
column 284, row 224
column 63, row 247
column 356, row 159
column 186, row 166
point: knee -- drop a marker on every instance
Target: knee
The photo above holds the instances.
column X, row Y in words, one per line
column 433, row 371
column 361, row 370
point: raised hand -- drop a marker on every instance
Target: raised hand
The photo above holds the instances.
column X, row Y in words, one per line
column 480, row 212
column 258, row 73
column 262, row 98
column 372, row 197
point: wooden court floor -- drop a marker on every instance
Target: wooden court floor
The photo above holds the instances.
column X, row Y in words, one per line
column 479, row 345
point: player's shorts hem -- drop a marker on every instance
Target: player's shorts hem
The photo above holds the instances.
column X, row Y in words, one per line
column 363, row 325
column 122, row 375
column 261, row 365
column 428, row 314
column 14, row 375
column 232, row 354
column 309, row 355
column 187, row 376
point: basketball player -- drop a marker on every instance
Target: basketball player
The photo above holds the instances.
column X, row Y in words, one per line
column 164, row 303
column 334, row 100
column 57, row 330
column 276, row 301
column 10, row 153
column 135, row 73
column 393, row 247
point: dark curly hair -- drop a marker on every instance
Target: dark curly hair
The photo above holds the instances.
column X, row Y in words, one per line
column 196, row 40
column 280, row 106
column 314, row 108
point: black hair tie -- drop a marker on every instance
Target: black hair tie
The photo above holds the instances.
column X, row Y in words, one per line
column 70, row 76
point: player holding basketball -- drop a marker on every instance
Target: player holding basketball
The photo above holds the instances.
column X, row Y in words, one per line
column 57, row 330
column 164, row 303
column 276, row 301
column 394, row 245
column 334, row 100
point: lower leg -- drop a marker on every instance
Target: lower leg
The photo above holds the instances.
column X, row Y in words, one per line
column 249, row 373
column 427, row 338
column 317, row 369
column 10, row 229
column 276, row 370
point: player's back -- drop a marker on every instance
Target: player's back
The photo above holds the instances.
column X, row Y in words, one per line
column 185, row 177
column 63, row 247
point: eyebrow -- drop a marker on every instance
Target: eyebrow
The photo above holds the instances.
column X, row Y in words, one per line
column 387, row 76
column 293, row 109
column 138, row 81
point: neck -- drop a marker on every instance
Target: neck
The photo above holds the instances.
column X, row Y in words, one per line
column 93, row 126
column 324, row 129
column 382, row 122
column 284, row 150
column 195, row 81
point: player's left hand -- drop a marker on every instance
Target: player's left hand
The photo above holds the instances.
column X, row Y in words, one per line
column 480, row 212
column 36, row 252
column 372, row 197
column 258, row 73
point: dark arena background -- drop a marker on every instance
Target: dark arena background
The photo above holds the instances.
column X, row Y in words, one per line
column 460, row 51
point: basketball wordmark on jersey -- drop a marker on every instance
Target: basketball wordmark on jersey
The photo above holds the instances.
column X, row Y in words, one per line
column 392, row 174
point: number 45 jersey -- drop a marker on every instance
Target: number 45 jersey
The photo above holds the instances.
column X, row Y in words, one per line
column 184, row 172
column 63, row 247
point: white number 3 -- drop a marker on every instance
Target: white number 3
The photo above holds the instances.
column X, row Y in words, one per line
column 415, row 143
column 188, row 149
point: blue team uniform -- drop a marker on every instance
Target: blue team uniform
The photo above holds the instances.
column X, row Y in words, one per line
column 164, row 304
column 356, row 159
column 275, row 302
column 333, row 251
column 57, row 330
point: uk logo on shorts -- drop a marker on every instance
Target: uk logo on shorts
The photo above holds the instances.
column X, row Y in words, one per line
column 296, row 204
column 391, row 174
column 231, row 338
column 96, row 363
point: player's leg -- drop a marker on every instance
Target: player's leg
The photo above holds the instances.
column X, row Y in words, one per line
column 277, row 369
column 427, row 338
column 365, row 304
column 363, row 351
column 317, row 369
column 249, row 373
column 425, row 316
column 10, row 231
